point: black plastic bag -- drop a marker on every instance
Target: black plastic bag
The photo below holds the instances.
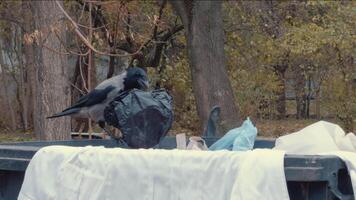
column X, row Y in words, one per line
column 144, row 118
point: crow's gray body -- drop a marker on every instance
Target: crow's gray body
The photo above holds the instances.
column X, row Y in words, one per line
column 96, row 111
column 92, row 105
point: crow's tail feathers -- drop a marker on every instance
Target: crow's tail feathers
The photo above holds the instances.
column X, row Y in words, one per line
column 65, row 113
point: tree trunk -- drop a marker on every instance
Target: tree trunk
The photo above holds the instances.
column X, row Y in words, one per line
column 347, row 116
column 281, row 101
column 6, row 91
column 280, row 71
column 22, row 88
column 77, row 90
column 203, row 25
column 111, row 68
column 317, row 104
column 350, row 95
column 308, row 99
column 299, row 89
column 51, row 69
column 29, row 70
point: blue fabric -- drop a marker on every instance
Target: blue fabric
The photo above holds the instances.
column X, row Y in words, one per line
column 237, row 139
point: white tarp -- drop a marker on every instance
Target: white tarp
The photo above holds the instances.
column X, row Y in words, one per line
column 322, row 138
column 85, row 173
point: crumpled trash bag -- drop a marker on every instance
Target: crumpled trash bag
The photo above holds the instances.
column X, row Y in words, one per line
column 181, row 141
column 237, row 139
column 197, row 143
column 143, row 117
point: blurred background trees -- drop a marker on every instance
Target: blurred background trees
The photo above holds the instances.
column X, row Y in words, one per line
column 281, row 63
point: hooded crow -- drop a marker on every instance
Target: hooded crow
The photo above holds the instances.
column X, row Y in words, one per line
column 92, row 105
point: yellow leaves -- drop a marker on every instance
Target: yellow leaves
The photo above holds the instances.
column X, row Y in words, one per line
column 308, row 34
column 176, row 78
column 155, row 19
column 316, row 19
column 288, row 17
column 33, row 37
column 304, row 40
column 337, row 97
column 39, row 35
column 251, row 86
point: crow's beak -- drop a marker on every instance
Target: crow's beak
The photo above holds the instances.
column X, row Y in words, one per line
column 143, row 84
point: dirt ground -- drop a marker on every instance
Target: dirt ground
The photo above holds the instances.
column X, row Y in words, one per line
column 266, row 129
column 271, row 128
column 276, row 128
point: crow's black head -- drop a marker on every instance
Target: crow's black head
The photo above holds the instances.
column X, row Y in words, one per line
column 135, row 78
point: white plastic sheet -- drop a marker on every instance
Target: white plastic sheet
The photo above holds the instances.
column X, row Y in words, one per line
column 322, row 138
column 88, row 173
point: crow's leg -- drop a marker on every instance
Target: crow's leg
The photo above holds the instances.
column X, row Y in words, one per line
column 102, row 126
column 120, row 140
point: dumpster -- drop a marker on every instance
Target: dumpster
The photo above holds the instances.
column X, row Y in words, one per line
column 308, row 177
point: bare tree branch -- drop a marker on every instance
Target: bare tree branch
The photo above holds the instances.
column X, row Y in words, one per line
column 87, row 43
column 164, row 2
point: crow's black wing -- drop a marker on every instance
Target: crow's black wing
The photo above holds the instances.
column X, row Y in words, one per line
column 95, row 96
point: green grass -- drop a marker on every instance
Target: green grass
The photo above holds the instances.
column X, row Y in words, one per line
column 16, row 137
